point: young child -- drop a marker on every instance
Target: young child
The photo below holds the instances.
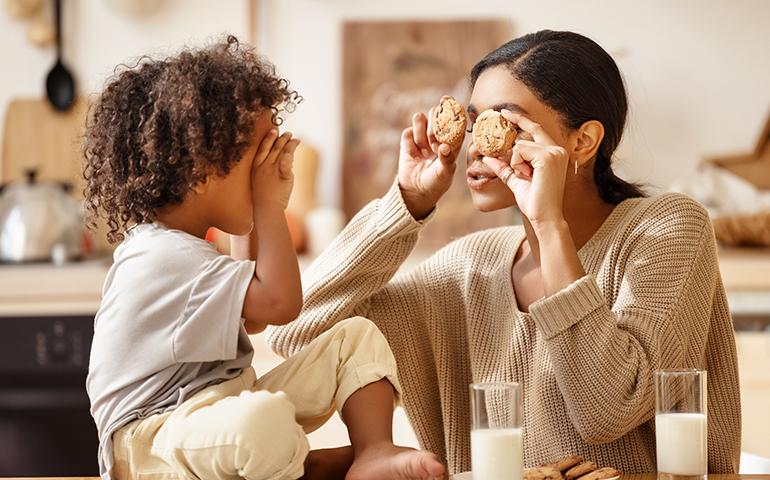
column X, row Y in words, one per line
column 173, row 147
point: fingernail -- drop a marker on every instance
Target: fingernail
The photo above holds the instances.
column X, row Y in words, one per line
column 424, row 152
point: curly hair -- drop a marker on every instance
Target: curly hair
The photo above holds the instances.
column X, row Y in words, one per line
column 162, row 126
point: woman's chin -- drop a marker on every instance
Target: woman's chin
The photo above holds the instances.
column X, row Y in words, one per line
column 492, row 201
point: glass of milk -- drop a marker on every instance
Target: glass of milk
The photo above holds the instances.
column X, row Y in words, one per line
column 496, row 431
column 681, row 424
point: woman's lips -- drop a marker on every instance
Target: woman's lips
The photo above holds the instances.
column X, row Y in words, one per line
column 478, row 178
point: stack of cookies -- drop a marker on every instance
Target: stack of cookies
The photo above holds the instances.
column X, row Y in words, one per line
column 571, row 468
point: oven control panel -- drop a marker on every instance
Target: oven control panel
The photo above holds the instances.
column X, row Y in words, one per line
column 45, row 344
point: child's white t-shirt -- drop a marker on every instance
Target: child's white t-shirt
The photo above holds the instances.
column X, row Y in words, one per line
column 169, row 325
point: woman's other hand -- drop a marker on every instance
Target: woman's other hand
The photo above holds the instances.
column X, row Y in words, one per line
column 535, row 171
column 425, row 167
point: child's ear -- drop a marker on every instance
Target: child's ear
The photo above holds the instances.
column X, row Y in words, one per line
column 588, row 138
column 202, row 187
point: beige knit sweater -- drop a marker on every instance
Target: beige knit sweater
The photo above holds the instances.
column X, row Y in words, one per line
column 652, row 298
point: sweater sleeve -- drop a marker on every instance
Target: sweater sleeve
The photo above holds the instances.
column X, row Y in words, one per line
column 357, row 267
column 604, row 356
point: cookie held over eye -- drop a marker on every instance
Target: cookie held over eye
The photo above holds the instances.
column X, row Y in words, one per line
column 449, row 122
column 542, row 473
column 493, row 134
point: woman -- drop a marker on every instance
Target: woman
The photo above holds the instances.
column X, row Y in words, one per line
column 598, row 289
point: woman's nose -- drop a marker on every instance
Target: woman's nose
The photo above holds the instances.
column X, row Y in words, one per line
column 473, row 153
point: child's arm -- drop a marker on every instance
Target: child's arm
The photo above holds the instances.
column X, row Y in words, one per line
column 274, row 296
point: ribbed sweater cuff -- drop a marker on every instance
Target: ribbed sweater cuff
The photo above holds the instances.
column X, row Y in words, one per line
column 567, row 307
column 394, row 217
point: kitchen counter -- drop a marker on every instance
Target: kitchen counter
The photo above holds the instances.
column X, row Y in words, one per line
column 745, row 269
column 75, row 288
column 640, row 476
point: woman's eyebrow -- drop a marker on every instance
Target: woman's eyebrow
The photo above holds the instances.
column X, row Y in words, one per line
column 513, row 107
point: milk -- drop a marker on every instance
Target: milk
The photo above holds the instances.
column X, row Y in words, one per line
column 496, row 454
column 681, row 443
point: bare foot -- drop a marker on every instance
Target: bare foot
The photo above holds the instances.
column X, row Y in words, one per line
column 389, row 462
column 328, row 463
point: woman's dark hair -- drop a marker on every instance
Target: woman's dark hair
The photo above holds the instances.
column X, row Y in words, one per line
column 162, row 126
column 575, row 76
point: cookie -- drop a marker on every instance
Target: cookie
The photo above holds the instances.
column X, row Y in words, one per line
column 602, row 474
column 449, row 122
column 579, row 470
column 542, row 473
column 493, row 134
column 565, row 463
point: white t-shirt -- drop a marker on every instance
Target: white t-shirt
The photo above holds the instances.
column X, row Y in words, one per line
column 169, row 325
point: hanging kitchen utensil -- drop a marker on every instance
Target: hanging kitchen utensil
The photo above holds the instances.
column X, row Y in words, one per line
column 60, row 85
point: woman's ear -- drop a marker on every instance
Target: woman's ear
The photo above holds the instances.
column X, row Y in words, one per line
column 587, row 140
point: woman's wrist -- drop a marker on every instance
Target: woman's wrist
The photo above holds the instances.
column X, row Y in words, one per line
column 545, row 229
column 559, row 261
column 418, row 205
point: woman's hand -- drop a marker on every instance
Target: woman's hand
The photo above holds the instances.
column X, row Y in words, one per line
column 425, row 167
column 535, row 172
column 272, row 178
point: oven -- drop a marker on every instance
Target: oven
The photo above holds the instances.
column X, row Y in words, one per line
column 45, row 425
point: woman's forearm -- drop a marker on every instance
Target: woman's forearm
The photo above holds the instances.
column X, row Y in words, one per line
column 559, row 262
column 342, row 281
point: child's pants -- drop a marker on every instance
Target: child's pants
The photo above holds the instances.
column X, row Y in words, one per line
column 253, row 428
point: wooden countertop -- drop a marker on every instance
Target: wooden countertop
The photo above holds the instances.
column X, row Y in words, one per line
column 639, row 476
column 745, row 269
column 44, row 289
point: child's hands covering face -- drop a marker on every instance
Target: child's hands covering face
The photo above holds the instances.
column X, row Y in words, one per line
column 272, row 177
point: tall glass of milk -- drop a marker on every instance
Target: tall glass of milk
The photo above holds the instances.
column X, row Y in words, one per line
column 496, row 431
column 681, row 424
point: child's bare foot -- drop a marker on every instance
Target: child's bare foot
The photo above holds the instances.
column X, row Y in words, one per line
column 396, row 463
column 328, row 463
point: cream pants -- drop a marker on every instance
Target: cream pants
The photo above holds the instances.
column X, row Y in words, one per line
column 254, row 428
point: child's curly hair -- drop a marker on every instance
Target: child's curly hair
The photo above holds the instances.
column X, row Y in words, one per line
column 162, row 126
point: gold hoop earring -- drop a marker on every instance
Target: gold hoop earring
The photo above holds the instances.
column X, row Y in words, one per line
column 576, row 167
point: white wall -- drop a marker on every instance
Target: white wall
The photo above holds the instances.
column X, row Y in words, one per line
column 697, row 71
column 97, row 37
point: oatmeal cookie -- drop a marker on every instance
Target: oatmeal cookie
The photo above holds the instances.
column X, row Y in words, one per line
column 493, row 134
column 449, row 122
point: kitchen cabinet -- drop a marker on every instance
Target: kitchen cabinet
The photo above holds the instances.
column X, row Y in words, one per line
column 754, row 371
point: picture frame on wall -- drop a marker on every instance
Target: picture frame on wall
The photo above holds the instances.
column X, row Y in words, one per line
column 392, row 70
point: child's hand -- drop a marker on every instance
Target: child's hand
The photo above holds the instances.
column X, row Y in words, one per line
column 272, row 177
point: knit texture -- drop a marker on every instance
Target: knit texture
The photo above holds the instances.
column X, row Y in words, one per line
column 652, row 298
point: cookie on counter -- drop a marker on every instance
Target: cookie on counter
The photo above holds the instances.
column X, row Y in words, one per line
column 579, row 470
column 493, row 134
column 542, row 473
column 605, row 473
column 449, row 122
column 565, row 463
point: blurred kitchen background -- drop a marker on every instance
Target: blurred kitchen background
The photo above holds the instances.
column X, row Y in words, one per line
column 698, row 78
